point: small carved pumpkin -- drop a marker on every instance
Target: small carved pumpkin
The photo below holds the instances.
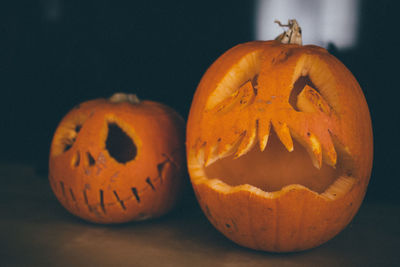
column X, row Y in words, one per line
column 279, row 145
column 118, row 160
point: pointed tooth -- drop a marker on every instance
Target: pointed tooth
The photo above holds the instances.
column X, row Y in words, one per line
column 283, row 133
column 207, row 152
column 315, row 151
column 196, row 147
column 211, row 155
column 200, row 156
column 226, row 150
column 263, row 133
column 247, row 143
column 329, row 152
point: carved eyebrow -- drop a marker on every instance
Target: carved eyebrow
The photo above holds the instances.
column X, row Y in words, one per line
column 244, row 70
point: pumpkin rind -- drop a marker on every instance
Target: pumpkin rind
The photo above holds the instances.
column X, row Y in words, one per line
column 338, row 123
column 95, row 185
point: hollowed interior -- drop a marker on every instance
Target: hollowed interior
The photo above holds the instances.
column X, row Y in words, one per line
column 274, row 168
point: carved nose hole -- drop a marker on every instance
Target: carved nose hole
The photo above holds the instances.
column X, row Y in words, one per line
column 90, row 159
column 68, row 145
column 120, row 146
column 298, row 86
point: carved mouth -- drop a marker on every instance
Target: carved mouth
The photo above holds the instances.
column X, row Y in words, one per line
column 276, row 168
column 270, row 139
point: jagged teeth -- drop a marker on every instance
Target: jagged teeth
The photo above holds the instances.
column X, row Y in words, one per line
column 318, row 152
column 283, row 133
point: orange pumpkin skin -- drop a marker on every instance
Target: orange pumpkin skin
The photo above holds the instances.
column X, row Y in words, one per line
column 232, row 113
column 102, row 179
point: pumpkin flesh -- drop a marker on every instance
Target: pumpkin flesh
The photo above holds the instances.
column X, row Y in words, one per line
column 116, row 162
column 279, row 145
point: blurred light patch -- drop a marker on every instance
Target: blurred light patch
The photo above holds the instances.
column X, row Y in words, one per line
column 322, row 21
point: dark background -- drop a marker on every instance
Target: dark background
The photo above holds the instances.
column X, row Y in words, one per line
column 55, row 54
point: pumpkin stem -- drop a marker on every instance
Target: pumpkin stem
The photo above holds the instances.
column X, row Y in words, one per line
column 122, row 97
column 292, row 35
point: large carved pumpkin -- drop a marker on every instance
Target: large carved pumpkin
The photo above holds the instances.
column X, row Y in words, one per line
column 279, row 145
column 118, row 160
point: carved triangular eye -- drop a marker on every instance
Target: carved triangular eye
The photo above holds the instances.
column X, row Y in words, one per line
column 120, row 146
column 67, row 133
column 70, row 137
column 306, row 97
column 66, row 137
column 298, row 87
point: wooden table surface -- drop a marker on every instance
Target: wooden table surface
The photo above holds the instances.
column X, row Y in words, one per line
column 35, row 230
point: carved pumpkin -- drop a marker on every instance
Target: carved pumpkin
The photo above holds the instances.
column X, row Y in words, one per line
column 279, row 145
column 118, row 160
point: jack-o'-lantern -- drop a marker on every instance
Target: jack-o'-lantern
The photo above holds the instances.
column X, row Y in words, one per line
column 119, row 159
column 279, row 144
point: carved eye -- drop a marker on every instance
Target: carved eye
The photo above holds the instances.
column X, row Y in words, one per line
column 120, row 146
column 298, row 87
column 238, row 74
column 314, row 87
column 67, row 134
column 70, row 137
column 306, row 97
